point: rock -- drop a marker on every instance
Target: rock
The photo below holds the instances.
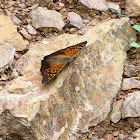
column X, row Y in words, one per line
column 136, row 125
column 136, row 134
column 14, row 74
column 34, row 6
column 86, row 21
column 8, row 33
column 17, row 56
column 95, row 4
column 22, row 5
column 109, row 137
column 95, row 21
column 61, row 5
column 122, row 137
column 7, row 52
column 4, row 77
column 46, row 18
column 115, row 133
column 72, row 30
column 2, row 12
column 15, row 20
column 25, row 34
column 131, row 105
column 130, row 83
column 130, row 70
column 115, row 8
column 134, row 9
column 31, row 30
column 104, row 16
column 19, row 86
column 116, row 113
column 81, row 95
column 94, row 138
column 75, row 20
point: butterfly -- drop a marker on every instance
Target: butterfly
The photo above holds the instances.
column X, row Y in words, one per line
column 52, row 64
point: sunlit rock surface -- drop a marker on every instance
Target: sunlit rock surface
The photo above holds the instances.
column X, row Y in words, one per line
column 80, row 96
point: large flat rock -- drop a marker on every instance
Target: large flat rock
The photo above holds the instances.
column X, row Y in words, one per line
column 80, row 96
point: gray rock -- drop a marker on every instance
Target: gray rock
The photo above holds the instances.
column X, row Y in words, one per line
column 15, row 20
column 116, row 113
column 130, row 70
column 31, row 30
column 75, row 19
column 14, row 74
column 46, row 18
column 95, row 4
column 130, row 83
column 131, row 105
column 7, row 52
column 115, row 7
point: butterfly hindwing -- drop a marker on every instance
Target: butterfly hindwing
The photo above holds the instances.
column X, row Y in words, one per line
column 52, row 64
column 49, row 73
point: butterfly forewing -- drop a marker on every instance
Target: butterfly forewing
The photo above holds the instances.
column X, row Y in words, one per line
column 52, row 64
column 72, row 51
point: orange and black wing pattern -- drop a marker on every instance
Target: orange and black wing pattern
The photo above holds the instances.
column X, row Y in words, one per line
column 52, row 64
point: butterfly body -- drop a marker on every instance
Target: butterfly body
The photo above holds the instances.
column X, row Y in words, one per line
column 59, row 58
column 52, row 64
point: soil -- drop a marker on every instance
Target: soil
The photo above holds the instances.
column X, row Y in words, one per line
column 124, row 126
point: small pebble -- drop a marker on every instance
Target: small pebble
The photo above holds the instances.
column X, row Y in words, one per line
column 31, row 30
column 17, row 55
column 85, row 21
column 122, row 137
column 94, row 138
column 115, row 133
column 4, row 77
column 109, row 137
column 84, row 138
column 72, row 30
column 14, row 74
column 25, row 34
column 136, row 125
column 61, row 5
column 22, row 5
column 34, row 6
column 104, row 16
column 113, row 16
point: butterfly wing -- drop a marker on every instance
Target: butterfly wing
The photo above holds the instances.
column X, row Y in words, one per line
column 52, row 64
column 72, row 51
column 49, row 73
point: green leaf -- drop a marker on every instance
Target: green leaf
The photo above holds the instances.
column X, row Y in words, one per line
column 136, row 27
column 134, row 44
